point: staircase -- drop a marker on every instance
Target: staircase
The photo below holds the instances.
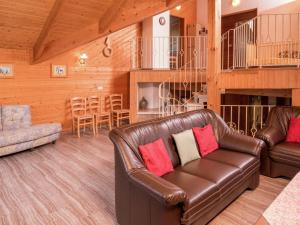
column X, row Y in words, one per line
column 184, row 91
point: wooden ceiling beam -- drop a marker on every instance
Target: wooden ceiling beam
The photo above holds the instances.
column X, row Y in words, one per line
column 110, row 14
column 129, row 13
column 40, row 42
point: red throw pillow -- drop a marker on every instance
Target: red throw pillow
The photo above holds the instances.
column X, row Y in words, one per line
column 293, row 134
column 206, row 139
column 156, row 157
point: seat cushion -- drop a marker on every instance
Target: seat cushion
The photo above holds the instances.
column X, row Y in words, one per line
column 121, row 111
column 201, row 193
column 223, row 175
column 82, row 117
column 11, row 137
column 286, row 153
column 245, row 162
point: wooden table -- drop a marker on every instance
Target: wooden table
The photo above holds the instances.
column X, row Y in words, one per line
column 285, row 209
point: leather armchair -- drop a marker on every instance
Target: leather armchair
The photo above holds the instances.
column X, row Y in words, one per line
column 280, row 158
column 191, row 194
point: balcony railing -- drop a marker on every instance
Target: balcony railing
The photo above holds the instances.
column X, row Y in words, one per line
column 246, row 119
column 169, row 52
column 266, row 41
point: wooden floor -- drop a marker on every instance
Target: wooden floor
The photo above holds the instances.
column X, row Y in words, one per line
column 72, row 183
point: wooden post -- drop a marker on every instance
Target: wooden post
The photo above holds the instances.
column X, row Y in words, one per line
column 133, row 97
column 296, row 97
column 214, row 54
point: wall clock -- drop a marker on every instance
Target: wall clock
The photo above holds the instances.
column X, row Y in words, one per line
column 162, row 20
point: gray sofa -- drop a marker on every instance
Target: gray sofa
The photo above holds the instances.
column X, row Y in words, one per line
column 18, row 134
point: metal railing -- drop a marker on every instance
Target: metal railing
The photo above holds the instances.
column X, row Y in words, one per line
column 246, row 119
column 266, row 40
column 184, row 91
column 169, row 52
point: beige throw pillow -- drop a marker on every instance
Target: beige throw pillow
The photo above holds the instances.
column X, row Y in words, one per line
column 186, row 146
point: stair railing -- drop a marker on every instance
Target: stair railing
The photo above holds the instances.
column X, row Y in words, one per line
column 184, row 91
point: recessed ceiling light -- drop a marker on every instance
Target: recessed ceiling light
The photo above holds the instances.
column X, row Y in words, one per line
column 235, row 3
column 178, row 7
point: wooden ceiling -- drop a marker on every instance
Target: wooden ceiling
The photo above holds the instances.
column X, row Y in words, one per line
column 21, row 21
column 51, row 27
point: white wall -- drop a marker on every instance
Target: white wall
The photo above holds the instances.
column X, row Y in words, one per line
column 156, row 42
column 161, row 42
column 262, row 6
column 227, row 7
column 278, row 6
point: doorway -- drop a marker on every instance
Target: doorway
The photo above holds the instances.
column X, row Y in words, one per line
column 176, row 42
column 230, row 22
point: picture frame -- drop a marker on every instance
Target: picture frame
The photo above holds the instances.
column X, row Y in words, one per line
column 59, row 71
column 6, row 70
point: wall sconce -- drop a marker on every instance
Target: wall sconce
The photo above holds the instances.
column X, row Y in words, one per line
column 83, row 58
column 235, row 3
column 99, row 87
column 178, row 7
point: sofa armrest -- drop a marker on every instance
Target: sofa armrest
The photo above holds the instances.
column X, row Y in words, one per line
column 270, row 135
column 241, row 143
column 165, row 192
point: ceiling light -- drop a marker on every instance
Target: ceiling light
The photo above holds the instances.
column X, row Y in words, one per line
column 235, row 3
column 178, row 7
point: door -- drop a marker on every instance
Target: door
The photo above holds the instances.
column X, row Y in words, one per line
column 176, row 42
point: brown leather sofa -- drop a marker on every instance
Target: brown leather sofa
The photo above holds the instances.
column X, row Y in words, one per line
column 280, row 158
column 192, row 194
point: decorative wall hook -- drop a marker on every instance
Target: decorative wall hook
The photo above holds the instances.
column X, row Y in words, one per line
column 107, row 51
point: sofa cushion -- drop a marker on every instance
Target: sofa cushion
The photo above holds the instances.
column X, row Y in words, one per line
column 156, row 157
column 15, row 117
column 200, row 195
column 206, row 139
column 243, row 161
column 11, row 137
column 287, row 153
column 293, row 134
column 224, row 175
column 186, row 146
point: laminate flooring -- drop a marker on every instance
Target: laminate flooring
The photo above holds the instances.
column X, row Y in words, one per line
column 72, row 183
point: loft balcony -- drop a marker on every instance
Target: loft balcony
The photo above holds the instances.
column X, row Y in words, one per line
column 169, row 53
column 266, row 41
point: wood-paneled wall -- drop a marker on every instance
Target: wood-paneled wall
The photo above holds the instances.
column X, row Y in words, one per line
column 272, row 78
column 49, row 97
column 266, row 78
